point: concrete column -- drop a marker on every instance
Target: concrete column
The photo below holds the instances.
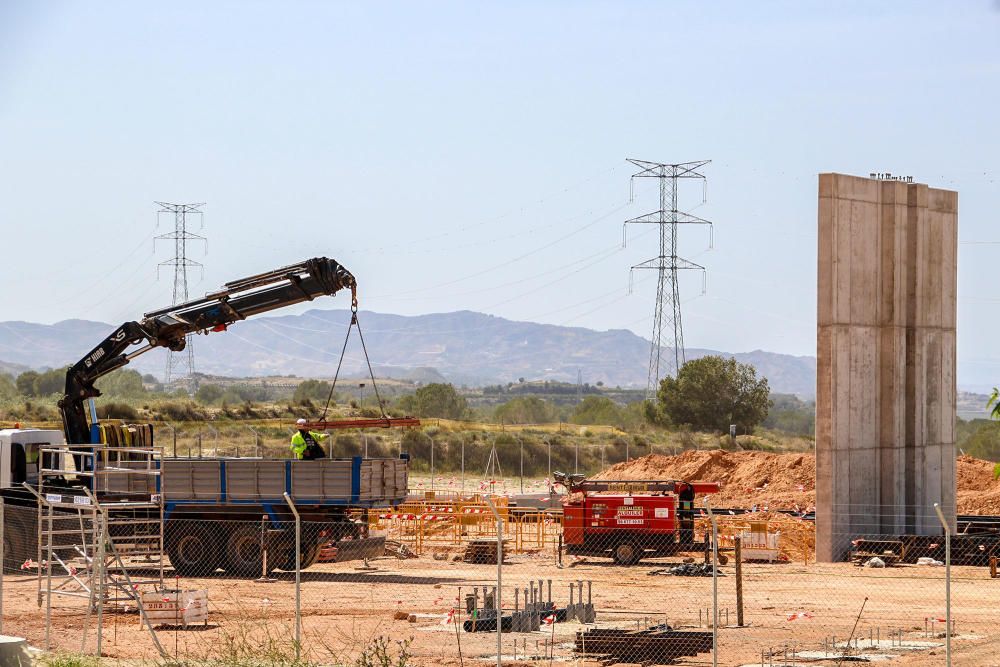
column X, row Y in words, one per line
column 885, row 395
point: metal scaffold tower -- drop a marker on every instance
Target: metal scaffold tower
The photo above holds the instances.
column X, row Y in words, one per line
column 102, row 542
column 180, row 364
column 666, row 354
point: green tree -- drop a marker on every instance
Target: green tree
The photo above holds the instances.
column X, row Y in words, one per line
column 435, row 400
column 51, row 382
column 597, row 410
column 208, row 393
column 311, row 390
column 713, row 392
column 123, row 382
column 979, row 438
column 8, row 389
column 526, row 410
column 790, row 414
column 25, row 383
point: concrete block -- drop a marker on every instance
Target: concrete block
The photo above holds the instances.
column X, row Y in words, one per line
column 14, row 652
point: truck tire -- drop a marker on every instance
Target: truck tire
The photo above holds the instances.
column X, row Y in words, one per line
column 243, row 552
column 627, row 553
column 310, row 554
column 190, row 549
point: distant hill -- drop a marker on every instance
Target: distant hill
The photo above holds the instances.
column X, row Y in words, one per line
column 463, row 347
column 12, row 369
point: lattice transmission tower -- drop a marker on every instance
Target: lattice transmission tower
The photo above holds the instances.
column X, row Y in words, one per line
column 180, row 364
column 666, row 354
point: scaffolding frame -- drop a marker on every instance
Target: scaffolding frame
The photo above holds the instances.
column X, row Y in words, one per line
column 100, row 528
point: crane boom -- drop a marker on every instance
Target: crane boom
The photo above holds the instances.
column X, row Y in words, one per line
column 169, row 327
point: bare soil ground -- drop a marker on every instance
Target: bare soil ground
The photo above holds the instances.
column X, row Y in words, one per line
column 345, row 607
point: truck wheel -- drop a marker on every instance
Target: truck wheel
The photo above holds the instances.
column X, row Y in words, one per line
column 627, row 553
column 310, row 554
column 243, row 552
column 190, row 550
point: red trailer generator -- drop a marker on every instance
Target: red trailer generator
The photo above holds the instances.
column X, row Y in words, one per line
column 629, row 519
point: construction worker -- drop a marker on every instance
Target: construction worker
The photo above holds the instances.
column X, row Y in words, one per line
column 31, row 454
column 305, row 443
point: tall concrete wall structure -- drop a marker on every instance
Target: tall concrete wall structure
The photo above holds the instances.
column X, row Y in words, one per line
column 885, row 395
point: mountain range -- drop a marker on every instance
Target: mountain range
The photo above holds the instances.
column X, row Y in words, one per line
column 464, row 347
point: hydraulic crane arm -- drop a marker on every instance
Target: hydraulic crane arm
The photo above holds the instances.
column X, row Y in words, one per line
column 168, row 327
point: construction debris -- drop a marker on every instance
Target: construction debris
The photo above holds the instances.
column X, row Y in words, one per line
column 482, row 552
column 399, row 550
column 688, row 570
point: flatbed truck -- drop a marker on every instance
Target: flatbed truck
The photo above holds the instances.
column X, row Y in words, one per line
column 207, row 513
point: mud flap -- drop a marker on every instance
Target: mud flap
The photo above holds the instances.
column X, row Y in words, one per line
column 358, row 549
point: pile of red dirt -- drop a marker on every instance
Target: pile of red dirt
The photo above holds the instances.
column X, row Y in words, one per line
column 762, row 479
column 785, row 481
column 978, row 491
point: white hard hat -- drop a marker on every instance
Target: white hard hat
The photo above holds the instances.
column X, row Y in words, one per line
column 301, row 422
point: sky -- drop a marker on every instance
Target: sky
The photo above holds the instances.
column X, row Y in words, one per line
column 473, row 155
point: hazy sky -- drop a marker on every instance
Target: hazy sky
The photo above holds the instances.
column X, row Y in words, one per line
column 472, row 155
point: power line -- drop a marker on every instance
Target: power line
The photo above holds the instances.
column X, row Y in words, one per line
column 667, row 312
column 520, row 257
column 180, row 262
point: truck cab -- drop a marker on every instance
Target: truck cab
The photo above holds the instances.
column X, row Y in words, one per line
column 21, row 456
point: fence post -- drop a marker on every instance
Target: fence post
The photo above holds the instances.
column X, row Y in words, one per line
column 522, row 462
column 98, row 573
column 738, row 544
column 499, row 606
column 549, row 477
column 715, row 584
column 947, row 583
column 298, row 577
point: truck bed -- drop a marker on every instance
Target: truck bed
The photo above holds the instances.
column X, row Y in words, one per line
column 356, row 481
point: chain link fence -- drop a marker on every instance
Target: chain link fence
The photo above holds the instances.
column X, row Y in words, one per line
column 360, row 591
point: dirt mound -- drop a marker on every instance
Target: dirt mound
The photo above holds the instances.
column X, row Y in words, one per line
column 978, row 492
column 786, row 481
column 798, row 536
column 762, row 479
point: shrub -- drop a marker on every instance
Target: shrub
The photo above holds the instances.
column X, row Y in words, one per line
column 435, row 400
column 311, row 390
column 209, row 393
column 526, row 410
column 115, row 410
column 181, row 411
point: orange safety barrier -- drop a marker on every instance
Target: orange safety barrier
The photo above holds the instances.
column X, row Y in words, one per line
column 433, row 522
